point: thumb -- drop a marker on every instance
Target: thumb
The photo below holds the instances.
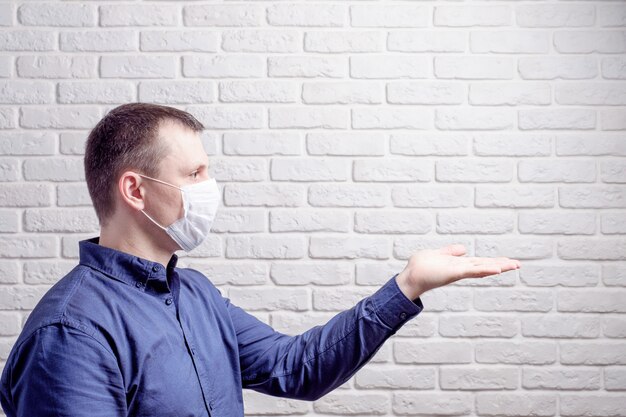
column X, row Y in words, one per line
column 454, row 249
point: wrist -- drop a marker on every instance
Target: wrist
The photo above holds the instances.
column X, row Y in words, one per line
column 411, row 291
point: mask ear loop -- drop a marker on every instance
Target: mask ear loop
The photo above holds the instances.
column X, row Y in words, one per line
column 162, row 182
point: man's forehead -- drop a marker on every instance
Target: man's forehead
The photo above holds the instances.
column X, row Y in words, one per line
column 184, row 145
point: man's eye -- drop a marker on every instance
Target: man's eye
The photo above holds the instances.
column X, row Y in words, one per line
column 195, row 175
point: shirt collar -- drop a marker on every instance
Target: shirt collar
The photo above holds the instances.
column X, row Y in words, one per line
column 123, row 266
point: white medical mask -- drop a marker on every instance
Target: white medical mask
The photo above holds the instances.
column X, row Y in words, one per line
column 200, row 201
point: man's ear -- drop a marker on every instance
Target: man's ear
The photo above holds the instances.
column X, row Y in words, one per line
column 131, row 192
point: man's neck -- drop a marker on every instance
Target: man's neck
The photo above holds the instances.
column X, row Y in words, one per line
column 130, row 240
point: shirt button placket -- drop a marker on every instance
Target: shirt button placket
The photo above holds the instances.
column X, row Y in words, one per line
column 168, row 301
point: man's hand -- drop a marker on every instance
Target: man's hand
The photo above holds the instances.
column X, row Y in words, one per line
column 431, row 268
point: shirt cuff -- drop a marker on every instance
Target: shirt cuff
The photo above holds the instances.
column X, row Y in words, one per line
column 393, row 307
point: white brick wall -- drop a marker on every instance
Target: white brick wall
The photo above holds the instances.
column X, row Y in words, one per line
column 345, row 136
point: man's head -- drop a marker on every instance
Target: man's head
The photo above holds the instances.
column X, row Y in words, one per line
column 140, row 138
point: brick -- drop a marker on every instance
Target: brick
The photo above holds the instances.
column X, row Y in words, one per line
column 561, row 326
column 27, row 246
column 613, row 171
column 462, row 16
column 466, row 170
column 318, row 15
column 557, row 67
column 557, row 119
column 613, row 68
column 95, row 92
column 139, row 15
column 426, row 326
column 390, row 16
column 271, row 299
column 9, row 222
column 376, row 273
column 593, row 353
column 179, row 41
column 331, row 247
column 591, row 93
column 27, row 40
column 505, row 404
column 404, row 247
column 6, row 66
column 232, row 274
column 219, row 66
column 462, row 378
column 561, row 223
column 262, row 404
column 565, row 171
column 54, row 169
column 510, row 93
column 46, row 272
column 431, row 196
column 20, row 297
column 310, row 221
column 591, row 301
column 59, row 117
column 560, row 378
column 395, row 377
column 432, row 352
column 261, row 143
column 516, row 352
column 345, row 144
column 341, row 41
column 177, row 92
column 306, row 169
column 610, row 15
column 7, row 11
column 477, row 326
column 613, row 223
column 268, row 195
column 614, row 275
column 72, row 195
column 353, row 403
column 9, row 274
column 60, row 220
column 308, row 117
column 589, row 41
column 510, row 42
column 258, row 91
column 307, row 66
column 614, row 327
column 592, row 248
column 561, row 275
column 32, row 66
column 265, row 247
column 474, row 119
column 26, row 92
column 241, row 169
column 348, row 195
column 478, row 222
column 9, row 169
column 137, row 66
column 592, row 405
column 239, row 221
column 611, row 119
column 579, row 144
column 392, row 222
column 447, row 299
column 427, row 41
column 311, row 274
column 474, row 67
column 614, row 378
column 261, row 40
column 592, row 197
column 72, row 143
column 425, row 93
column 391, row 169
column 216, row 15
column 391, row 117
column 25, row 195
column 229, row 117
column 493, row 299
column 383, row 66
column 99, row 41
column 57, row 14
column 443, row 144
column 346, row 92
column 432, row 403
column 10, row 324
column 554, row 16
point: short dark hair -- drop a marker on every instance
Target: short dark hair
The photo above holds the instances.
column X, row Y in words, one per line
column 127, row 137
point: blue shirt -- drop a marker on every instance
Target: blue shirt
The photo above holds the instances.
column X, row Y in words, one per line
column 120, row 335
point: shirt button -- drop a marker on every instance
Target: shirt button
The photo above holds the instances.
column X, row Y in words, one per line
column 403, row 315
column 168, row 301
column 156, row 268
column 138, row 284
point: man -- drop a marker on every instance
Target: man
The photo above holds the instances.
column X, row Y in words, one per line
column 128, row 333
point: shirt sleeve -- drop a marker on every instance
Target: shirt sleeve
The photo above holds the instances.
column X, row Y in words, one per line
column 309, row 365
column 61, row 371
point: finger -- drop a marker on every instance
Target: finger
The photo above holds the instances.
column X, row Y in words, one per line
column 455, row 249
